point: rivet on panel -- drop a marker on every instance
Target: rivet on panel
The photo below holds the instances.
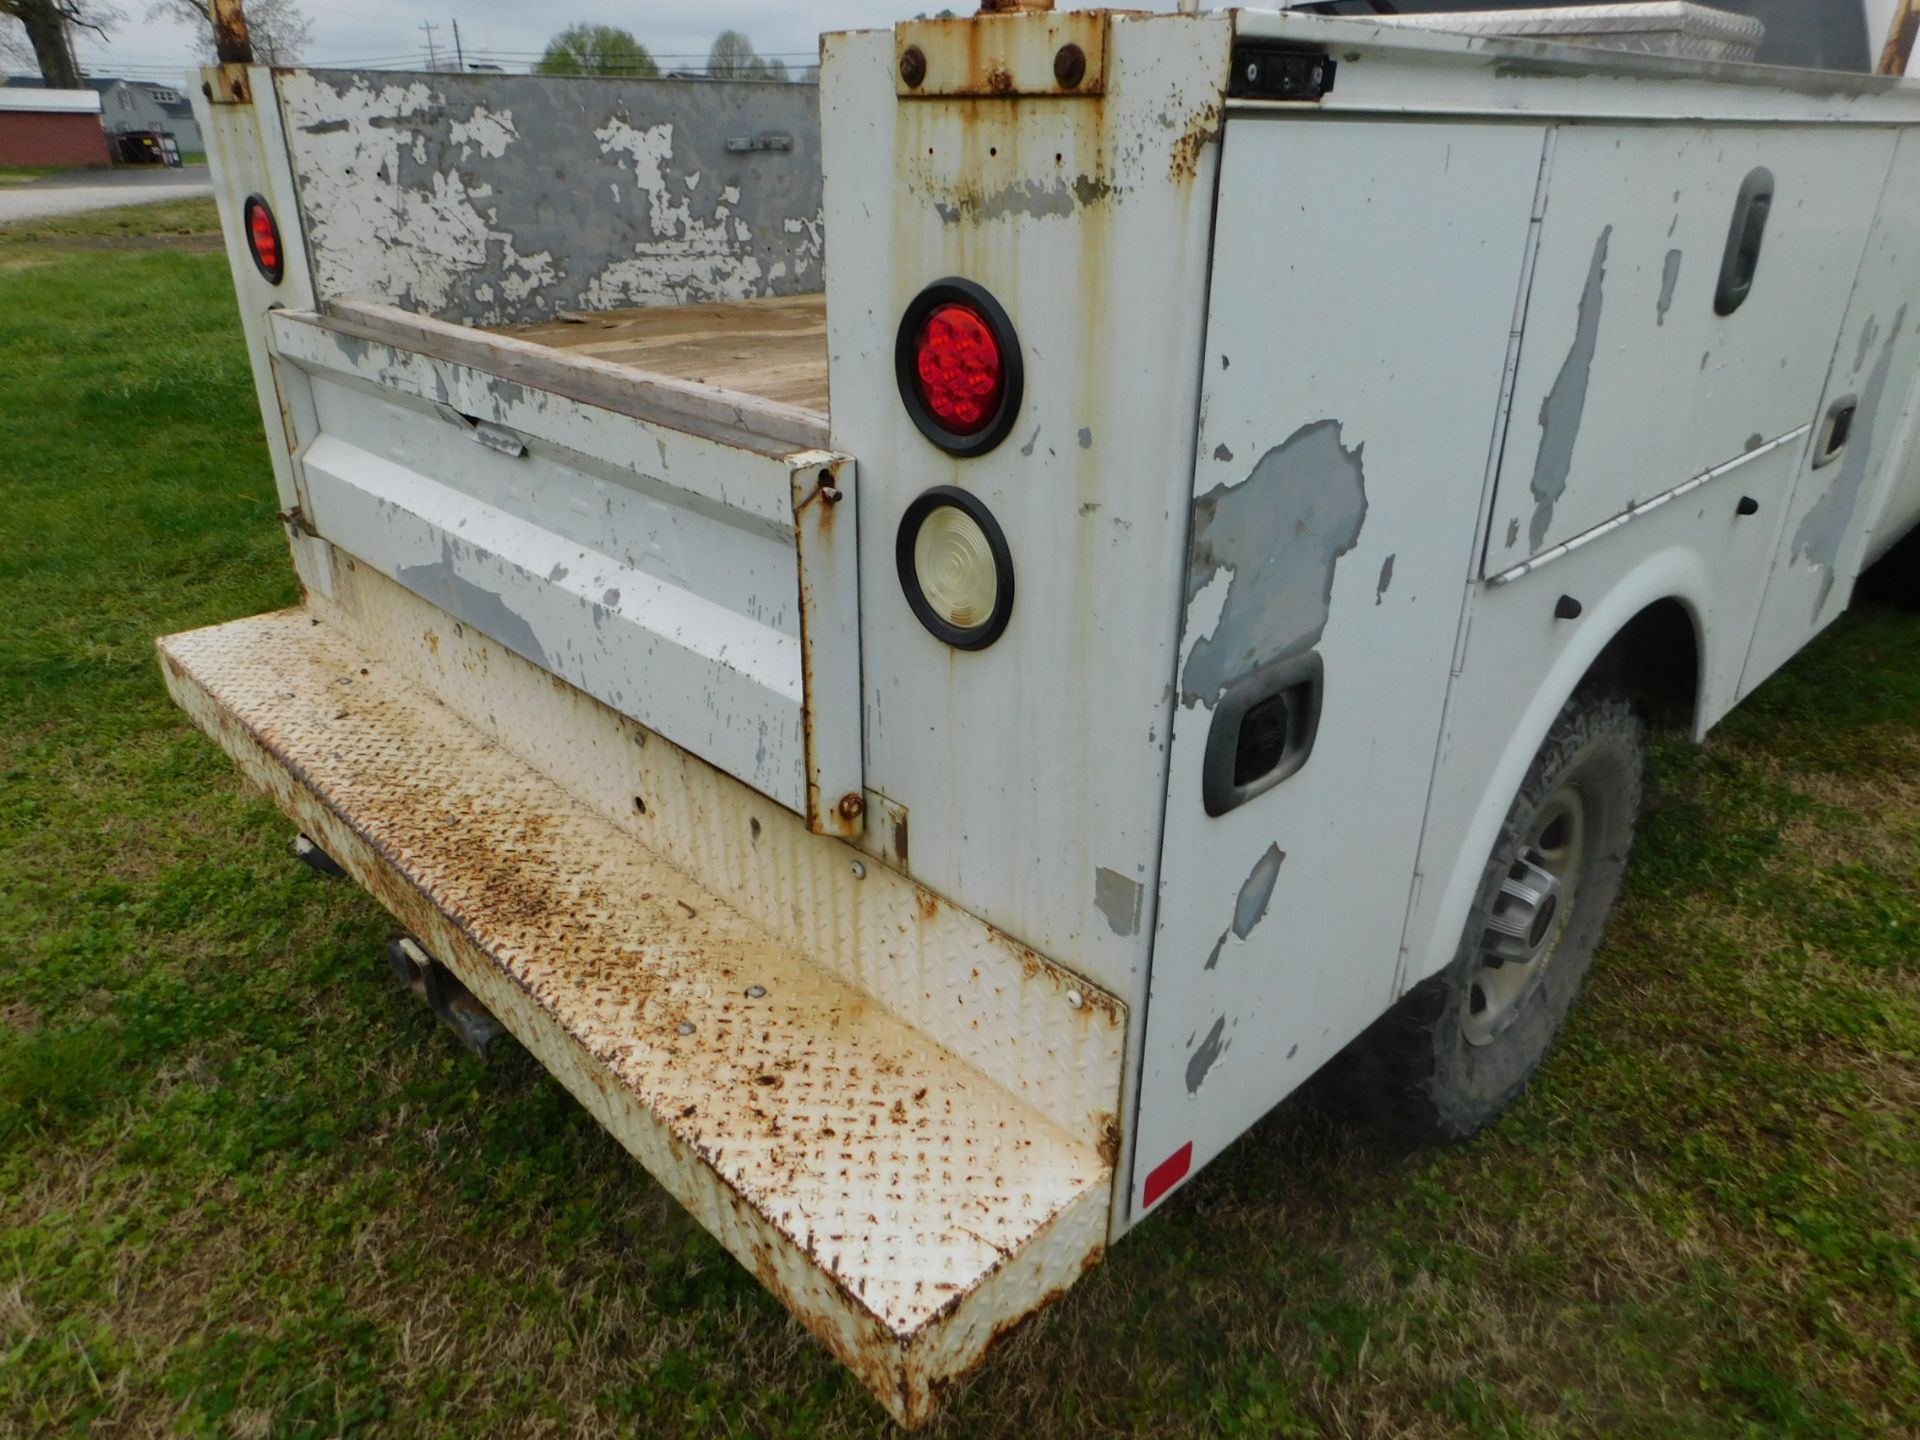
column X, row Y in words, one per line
column 754, row 992
column 859, row 870
column 913, row 66
column 1076, row 999
column 685, row 1027
column 852, row 807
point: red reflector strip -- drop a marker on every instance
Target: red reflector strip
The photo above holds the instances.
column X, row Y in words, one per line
column 1168, row 1173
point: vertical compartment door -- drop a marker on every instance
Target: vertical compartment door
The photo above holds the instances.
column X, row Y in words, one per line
column 1362, row 301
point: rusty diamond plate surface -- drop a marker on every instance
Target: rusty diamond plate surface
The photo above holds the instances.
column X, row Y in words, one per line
column 904, row 1205
column 1038, row 1029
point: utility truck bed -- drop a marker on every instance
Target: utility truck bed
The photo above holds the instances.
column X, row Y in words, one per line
column 927, row 829
column 775, row 349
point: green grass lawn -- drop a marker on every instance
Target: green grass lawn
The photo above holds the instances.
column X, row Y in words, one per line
column 247, row 1187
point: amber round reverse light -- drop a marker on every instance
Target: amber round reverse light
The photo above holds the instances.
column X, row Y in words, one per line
column 263, row 240
column 958, row 364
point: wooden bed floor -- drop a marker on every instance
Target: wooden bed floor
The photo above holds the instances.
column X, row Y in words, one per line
column 775, row 349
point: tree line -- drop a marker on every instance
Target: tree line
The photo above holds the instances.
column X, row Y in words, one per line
column 610, row 50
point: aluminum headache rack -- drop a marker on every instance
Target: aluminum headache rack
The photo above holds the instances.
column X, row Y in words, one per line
column 908, row 1203
column 1664, row 27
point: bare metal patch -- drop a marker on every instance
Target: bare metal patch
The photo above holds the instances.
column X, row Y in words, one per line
column 1206, row 1055
column 1117, row 898
column 1053, row 199
column 1250, row 907
column 1823, row 529
column 487, row 611
column 1566, row 403
column 1277, row 535
column 1669, row 277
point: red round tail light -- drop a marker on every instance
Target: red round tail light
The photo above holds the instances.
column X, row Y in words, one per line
column 958, row 365
column 263, row 240
column 957, row 362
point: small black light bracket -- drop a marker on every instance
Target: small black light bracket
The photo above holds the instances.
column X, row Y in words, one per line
column 1279, row 72
column 955, row 290
column 975, row 637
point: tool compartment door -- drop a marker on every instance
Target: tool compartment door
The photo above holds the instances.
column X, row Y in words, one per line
column 1362, row 300
column 1630, row 381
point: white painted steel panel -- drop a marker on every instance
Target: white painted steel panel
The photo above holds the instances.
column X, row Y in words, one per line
column 1341, row 463
column 1629, row 382
column 658, row 570
column 1834, row 506
column 1522, row 664
column 1031, row 771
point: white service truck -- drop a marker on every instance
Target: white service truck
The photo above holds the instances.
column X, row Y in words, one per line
column 934, row 646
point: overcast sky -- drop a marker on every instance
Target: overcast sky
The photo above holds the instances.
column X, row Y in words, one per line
column 388, row 30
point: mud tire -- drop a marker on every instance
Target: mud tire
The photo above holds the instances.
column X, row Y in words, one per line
column 1427, row 1079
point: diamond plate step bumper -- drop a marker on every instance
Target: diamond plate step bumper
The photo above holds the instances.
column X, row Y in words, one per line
column 904, row 1206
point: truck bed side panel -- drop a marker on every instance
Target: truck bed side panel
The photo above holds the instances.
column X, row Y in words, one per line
column 498, row 199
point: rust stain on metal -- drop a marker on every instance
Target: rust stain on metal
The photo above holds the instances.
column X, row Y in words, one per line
column 851, row 806
column 1202, row 130
column 231, row 42
column 900, row 1232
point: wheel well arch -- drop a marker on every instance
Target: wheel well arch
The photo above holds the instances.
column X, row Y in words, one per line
column 1655, row 659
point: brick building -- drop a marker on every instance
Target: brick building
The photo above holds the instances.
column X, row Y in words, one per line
column 51, row 127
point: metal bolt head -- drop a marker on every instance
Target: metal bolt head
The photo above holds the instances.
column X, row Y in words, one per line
column 1069, row 66
column 852, row 807
column 1076, row 999
column 913, row 67
column 685, row 1027
column 859, row 870
column 754, row 992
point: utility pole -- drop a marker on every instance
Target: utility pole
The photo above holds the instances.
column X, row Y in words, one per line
column 459, row 55
column 433, row 55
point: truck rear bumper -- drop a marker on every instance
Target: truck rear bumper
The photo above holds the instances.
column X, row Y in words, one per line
column 907, row 1208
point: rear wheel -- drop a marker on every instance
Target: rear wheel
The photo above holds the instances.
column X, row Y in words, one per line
column 1458, row 1048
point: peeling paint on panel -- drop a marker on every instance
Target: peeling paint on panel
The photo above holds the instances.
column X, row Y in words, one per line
column 1035, row 199
column 1868, row 334
column 1277, row 535
column 497, row 199
column 1221, row 452
column 486, row 610
column 1204, row 1057
column 1823, row 529
column 1669, row 277
column 1386, row 579
column 1250, row 906
column 1117, row 898
column 1566, row 402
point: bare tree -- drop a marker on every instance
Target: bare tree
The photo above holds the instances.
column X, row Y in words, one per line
column 49, row 26
column 732, row 58
column 279, row 28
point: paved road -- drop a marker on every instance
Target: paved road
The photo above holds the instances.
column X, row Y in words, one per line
column 99, row 190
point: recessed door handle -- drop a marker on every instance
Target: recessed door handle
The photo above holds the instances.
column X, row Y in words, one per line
column 1744, row 236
